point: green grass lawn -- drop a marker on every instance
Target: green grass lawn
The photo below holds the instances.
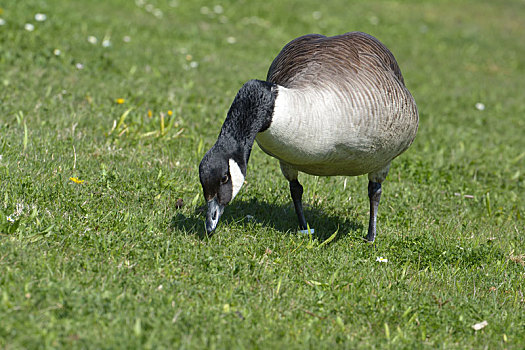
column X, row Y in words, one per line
column 102, row 239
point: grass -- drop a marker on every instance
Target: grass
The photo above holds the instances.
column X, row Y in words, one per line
column 120, row 260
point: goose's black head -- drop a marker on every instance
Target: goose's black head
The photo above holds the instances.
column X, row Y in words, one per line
column 223, row 168
column 222, row 176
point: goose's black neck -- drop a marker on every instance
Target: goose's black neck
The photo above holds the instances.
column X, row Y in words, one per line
column 250, row 113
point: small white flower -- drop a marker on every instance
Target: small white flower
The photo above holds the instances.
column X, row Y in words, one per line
column 2, row 21
column 40, row 17
column 10, row 219
column 29, row 27
column 106, row 43
column 480, row 106
column 231, row 40
column 57, row 52
column 158, row 13
column 218, row 9
column 205, row 10
column 317, row 15
column 194, row 64
column 126, row 39
column 480, row 325
column 381, row 259
column 79, row 66
column 139, row 3
column 92, row 39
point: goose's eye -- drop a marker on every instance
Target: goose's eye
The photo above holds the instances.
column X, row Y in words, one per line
column 224, row 179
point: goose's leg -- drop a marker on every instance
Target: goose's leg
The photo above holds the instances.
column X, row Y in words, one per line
column 296, row 190
column 374, row 194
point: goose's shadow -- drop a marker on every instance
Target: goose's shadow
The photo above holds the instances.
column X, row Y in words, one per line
column 277, row 216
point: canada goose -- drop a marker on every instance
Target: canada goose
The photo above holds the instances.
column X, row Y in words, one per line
column 330, row 106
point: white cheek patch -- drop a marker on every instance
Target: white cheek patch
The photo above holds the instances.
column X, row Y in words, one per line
column 236, row 176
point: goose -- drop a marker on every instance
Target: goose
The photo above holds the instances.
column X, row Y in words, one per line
column 330, row 106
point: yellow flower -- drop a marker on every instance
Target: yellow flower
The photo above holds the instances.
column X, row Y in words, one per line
column 76, row 180
column 120, row 101
column 150, row 113
column 1, row 10
column 170, row 112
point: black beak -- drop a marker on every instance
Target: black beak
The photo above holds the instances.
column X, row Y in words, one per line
column 215, row 210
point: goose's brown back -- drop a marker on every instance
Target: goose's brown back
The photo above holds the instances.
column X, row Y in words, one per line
column 313, row 59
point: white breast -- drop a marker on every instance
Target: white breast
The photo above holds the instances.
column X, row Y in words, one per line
column 334, row 132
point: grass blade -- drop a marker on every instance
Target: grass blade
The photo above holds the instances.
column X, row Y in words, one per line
column 121, row 120
column 25, row 136
column 329, row 239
